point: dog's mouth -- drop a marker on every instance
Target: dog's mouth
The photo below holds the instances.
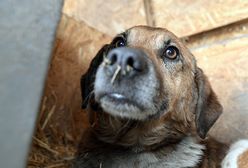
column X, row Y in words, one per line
column 118, row 99
column 118, row 104
column 117, row 96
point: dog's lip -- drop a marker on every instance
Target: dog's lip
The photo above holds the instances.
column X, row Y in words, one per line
column 114, row 96
column 118, row 98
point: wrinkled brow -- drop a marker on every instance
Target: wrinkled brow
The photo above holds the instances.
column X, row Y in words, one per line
column 123, row 35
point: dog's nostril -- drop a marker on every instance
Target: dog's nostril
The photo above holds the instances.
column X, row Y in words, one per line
column 134, row 63
column 130, row 62
column 113, row 59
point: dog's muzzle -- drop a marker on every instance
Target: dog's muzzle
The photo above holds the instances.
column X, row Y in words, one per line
column 126, row 83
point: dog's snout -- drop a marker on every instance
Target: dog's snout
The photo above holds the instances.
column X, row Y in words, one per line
column 129, row 60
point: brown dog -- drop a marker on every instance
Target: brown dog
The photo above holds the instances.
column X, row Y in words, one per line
column 149, row 104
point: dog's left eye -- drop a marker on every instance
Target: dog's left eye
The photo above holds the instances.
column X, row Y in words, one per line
column 171, row 52
column 119, row 42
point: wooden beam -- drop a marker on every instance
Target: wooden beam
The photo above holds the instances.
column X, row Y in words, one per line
column 189, row 17
column 110, row 17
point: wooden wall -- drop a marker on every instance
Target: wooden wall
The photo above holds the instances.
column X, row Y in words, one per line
column 215, row 31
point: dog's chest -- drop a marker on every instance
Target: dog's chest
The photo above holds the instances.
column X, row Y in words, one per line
column 129, row 159
column 185, row 154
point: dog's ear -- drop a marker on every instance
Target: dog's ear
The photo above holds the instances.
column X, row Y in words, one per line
column 87, row 80
column 208, row 108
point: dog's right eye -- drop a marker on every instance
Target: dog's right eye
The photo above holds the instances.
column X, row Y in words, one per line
column 119, row 42
column 171, row 52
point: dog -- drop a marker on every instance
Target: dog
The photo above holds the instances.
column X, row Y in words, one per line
column 149, row 105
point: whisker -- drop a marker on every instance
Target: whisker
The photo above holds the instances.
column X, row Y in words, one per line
column 87, row 97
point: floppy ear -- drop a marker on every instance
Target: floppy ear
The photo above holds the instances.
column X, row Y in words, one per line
column 87, row 80
column 208, row 108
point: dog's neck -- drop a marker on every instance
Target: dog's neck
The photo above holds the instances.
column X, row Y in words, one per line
column 167, row 137
column 138, row 135
column 153, row 139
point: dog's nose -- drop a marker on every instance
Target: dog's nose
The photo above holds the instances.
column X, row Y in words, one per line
column 130, row 61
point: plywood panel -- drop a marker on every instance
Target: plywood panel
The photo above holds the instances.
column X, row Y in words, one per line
column 61, row 121
column 223, row 55
column 76, row 44
column 110, row 17
column 189, row 17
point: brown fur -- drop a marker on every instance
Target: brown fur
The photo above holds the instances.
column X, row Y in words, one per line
column 192, row 109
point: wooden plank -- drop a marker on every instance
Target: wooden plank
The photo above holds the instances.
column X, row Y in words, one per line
column 189, row 17
column 75, row 46
column 223, row 55
column 109, row 17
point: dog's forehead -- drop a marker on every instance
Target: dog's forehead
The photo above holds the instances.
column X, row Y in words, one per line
column 153, row 39
column 152, row 36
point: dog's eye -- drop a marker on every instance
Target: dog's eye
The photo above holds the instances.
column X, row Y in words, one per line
column 119, row 42
column 171, row 52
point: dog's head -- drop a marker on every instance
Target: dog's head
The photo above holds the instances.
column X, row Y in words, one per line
column 147, row 73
